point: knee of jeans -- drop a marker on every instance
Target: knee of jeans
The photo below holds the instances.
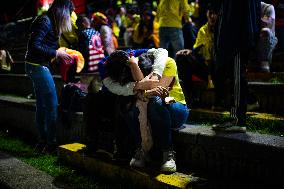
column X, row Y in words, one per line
column 155, row 102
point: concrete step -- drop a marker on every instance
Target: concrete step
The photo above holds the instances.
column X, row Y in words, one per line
column 270, row 95
column 198, row 148
column 106, row 168
column 266, row 77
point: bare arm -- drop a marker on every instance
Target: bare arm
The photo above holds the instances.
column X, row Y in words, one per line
column 135, row 70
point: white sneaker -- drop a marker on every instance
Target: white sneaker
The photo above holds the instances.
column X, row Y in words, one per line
column 169, row 164
column 139, row 159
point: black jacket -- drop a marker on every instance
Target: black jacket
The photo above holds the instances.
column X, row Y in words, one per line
column 43, row 41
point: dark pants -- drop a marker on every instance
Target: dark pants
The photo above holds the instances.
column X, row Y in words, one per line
column 231, row 74
column 104, row 118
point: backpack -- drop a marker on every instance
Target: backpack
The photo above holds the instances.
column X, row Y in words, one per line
column 72, row 100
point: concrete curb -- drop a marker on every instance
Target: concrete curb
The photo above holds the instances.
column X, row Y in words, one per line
column 198, row 148
column 72, row 153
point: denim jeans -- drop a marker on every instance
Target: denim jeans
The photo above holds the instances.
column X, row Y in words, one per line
column 171, row 39
column 46, row 101
column 163, row 119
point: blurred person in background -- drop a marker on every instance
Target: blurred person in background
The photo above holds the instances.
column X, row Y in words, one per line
column 169, row 15
column 100, row 23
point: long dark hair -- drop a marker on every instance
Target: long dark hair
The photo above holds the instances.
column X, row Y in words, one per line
column 60, row 11
column 117, row 69
column 145, row 63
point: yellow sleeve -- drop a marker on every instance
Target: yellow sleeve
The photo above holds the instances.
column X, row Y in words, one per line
column 200, row 38
column 171, row 68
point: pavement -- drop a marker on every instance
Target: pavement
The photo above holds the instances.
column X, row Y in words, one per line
column 15, row 174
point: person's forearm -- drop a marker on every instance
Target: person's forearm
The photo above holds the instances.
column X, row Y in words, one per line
column 136, row 72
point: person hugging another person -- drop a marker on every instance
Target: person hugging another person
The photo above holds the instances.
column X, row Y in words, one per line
column 166, row 108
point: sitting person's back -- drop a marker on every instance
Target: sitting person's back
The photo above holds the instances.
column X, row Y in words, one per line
column 90, row 44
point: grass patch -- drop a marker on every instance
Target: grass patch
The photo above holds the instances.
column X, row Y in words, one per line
column 258, row 123
column 63, row 174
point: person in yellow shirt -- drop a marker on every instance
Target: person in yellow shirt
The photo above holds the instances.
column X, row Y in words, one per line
column 169, row 15
column 205, row 40
column 145, row 33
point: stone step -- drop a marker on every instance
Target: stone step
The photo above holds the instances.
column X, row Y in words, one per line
column 274, row 77
column 270, row 95
column 104, row 167
column 198, row 148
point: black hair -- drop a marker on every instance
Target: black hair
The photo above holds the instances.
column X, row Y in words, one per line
column 117, row 69
column 145, row 63
column 212, row 7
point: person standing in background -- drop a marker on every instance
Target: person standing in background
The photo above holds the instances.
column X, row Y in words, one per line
column 237, row 32
column 169, row 15
column 42, row 48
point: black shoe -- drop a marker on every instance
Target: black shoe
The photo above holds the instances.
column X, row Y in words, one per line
column 230, row 126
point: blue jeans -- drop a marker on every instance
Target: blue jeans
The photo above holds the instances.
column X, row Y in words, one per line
column 46, row 101
column 163, row 119
column 171, row 39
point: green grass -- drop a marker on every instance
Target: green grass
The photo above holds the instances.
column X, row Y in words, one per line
column 62, row 173
column 256, row 125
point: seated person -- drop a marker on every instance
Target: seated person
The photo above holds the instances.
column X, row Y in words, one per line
column 204, row 41
column 163, row 116
column 89, row 44
column 197, row 64
column 262, row 56
column 101, row 106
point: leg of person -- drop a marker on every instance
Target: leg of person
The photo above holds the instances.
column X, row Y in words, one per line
column 266, row 45
column 185, row 63
column 163, row 35
column 92, row 113
column 176, row 41
column 238, row 105
column 220, row 88
column 161, row 123
column 35, row 72
column 50, row 103
column 140, row 157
